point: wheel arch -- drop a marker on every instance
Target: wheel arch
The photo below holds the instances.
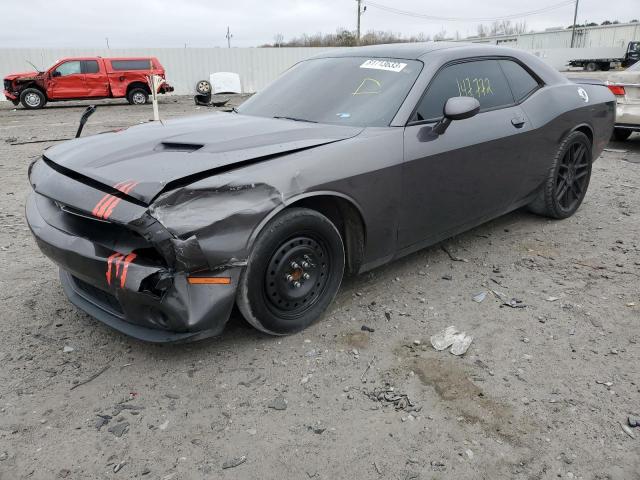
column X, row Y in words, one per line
column 342, row 210
column 34, row 85
column 138, row 84
column 586, row 129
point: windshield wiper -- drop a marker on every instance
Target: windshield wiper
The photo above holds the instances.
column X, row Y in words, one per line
column 295, row 119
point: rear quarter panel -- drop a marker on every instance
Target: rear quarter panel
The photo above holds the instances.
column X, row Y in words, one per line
column 557, row 110
column 120, row 80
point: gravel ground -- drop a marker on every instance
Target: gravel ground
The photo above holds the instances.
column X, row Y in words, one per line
column 542, row 392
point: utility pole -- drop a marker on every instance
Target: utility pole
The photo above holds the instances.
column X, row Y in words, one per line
column 575, row 17
column 229, row 36
column 107, row 39
column 359, row 13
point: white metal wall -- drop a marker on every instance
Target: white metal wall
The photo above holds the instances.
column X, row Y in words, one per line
column 184, row 66
column 604, row 36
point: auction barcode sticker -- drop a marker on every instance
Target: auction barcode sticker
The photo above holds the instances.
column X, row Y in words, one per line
column 384, row 65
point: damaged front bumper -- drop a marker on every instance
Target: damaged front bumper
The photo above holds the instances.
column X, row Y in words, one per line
column 136, row 294
column 11, row 96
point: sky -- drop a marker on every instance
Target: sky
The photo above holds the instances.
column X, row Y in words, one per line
column 203, row 23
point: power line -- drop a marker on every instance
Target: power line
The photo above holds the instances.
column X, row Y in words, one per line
column 470, row 19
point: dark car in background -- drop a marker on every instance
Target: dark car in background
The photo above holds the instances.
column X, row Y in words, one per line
column 346, row 162
column 86, row 78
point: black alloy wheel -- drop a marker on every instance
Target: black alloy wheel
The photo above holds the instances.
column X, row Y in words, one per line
column 567, row 179
column 573, row 177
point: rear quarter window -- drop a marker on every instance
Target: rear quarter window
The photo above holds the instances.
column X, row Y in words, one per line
column 521, row 81
column 144, row 64
column 481, row 79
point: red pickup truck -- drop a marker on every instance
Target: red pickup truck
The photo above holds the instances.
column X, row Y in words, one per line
column 86, row 78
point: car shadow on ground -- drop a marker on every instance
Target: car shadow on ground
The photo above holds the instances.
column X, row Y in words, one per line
column 631, row 145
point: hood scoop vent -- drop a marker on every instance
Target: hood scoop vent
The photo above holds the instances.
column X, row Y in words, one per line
column 178, row 147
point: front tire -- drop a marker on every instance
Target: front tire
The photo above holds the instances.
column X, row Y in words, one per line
column 293, row 273
column 32, row 99
column 621, row 134
column 567, row 179
column 138, row 96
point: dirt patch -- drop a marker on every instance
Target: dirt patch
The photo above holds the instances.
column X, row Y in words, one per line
column 359, row 340
column 464, row 398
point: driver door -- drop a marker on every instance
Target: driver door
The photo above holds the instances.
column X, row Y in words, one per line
column 472, row 172
column 67, row 81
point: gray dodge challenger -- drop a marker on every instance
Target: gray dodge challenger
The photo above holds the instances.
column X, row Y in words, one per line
column 349, row 160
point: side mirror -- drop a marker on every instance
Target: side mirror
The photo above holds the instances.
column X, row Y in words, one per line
column 456, row 108
column 56, row 74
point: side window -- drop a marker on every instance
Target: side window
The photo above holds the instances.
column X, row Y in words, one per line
column 91, row 66
column 521, row 81
column 482, row 79
column 68, row 68
column 141, row 64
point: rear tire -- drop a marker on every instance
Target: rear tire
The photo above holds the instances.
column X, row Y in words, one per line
column 32, row 99
column 293, row 273
column 567, row 179
column 621, row 134
column 138, row 96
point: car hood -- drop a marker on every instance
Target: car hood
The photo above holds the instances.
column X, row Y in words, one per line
column 159, row 156
column 23, row 76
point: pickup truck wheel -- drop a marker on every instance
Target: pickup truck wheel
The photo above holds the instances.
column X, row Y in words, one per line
column 621, row 134
column 32, row 99
column 138, row 96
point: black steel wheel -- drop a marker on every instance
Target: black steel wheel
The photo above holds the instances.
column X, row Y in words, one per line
column 293, row 273
column 567, row 180
column 296, row 276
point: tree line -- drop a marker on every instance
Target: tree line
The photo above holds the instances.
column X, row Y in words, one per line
column 344, row 37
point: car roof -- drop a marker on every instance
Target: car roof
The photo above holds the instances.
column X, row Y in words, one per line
column 454, row 50
column 406, row 51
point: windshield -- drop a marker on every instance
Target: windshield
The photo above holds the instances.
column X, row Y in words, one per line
column 347, row 91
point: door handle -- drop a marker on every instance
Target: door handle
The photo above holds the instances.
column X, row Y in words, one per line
column 518, row 122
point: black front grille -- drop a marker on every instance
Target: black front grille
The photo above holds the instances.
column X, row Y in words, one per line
column 7, row 84
column 100, row 297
